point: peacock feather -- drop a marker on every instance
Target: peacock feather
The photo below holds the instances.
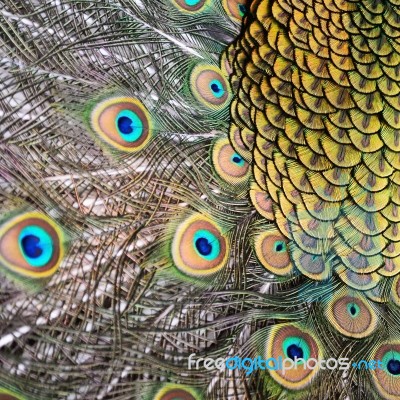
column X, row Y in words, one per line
column 208, row 178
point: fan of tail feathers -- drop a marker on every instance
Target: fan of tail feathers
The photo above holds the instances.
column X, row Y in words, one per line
column 184, row 179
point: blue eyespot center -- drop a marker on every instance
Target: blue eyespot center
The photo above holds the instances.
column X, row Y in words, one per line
column 242, row 10
column 31, row 246
column 393, row 366
column 237, row 159
column 217, row 88
column 206, row 244
column 125, row 125
column 353, row 309
column 391, row 361
column 192, row 3
column 36, row 245
column 129, row 125
column 296, row 347
column 280, row 246
column 294, row 351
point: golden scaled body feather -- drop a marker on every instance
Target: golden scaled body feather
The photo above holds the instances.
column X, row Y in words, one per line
column 318, row 89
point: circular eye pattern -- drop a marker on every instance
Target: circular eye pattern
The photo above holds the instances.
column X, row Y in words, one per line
column 191, row 5
column 206, row 244
column 296, row 347
column 217, row 88
column 123, row 123
column 236, row 159
column 353, row 309
column 236, row 9
column 209, row 86
column 272, row 252
column 387, row 378
column 129, row 125
column 31, row 245
column 262, row 202
column 391, row 361
column 176, row 392
column 36, row 245
column 292, row 342
column 228, row 164
column 351, row 314
column 199, row 247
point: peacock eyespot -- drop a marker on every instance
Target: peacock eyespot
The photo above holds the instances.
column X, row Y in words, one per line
column 272, row 252
column 123, row 123
column 353, row 309
column 203, row 246
column 209, row 86
column 236, row 9
column 280, row 246
column 294, row 351
column 391, row 362
column 387, row 378
column 217, row 88
column 206, row 244
column 242, row 10
column 36, row 245
column 229, row 165
column 129, row 125
column 351, row 314
column 296, row 343
column 31, row 245
column 199, row 246
column 296, row 347
column 238, row 160
column 191, row 5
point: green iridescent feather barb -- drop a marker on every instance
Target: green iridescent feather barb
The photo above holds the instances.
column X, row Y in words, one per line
column 208, row 178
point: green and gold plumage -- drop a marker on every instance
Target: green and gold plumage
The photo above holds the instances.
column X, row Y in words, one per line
column 218, row 178
column 315, row 98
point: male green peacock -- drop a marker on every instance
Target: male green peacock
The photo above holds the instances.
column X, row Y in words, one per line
column 177, row 179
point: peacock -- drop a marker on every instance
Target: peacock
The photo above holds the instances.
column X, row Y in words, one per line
column 183, row 179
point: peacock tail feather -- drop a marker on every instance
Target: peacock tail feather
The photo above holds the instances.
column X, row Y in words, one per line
column 208, row 178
